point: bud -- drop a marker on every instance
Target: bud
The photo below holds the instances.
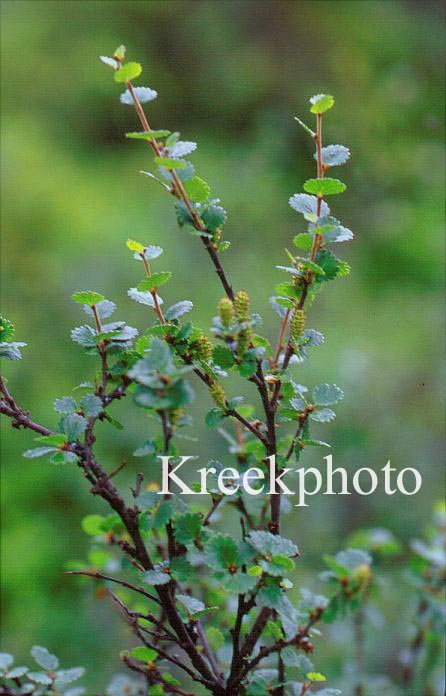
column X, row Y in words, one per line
column 203, row 348
column 119, row 54
column 226, row 312
column 242, row 305
column 297, row 324
column 243, row 341
column 363, row 575
column 175, row 415
column 218, row 394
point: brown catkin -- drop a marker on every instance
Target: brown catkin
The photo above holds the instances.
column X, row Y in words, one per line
column 226, row 312
column 242, row 305
column 218, row 394
column 203, row 348
column 297, row 324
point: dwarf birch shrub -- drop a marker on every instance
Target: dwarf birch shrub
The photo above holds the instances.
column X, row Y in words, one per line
column 210, row 612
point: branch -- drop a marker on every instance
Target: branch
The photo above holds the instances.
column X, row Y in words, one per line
column 109, row 578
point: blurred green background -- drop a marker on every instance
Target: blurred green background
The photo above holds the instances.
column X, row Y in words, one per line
column 230, row 75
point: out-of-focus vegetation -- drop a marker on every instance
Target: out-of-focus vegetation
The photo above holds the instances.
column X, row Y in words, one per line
column 230, row 75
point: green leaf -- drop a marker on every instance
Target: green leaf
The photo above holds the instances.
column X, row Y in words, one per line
column 323, row 415
column 272, row 544
column 215, row 637
column 303, row 241
column 169, row 679
column 324, row 187
column 308, row 205
column 353, row 558
column 327, row 394
column 258, row 686
column 334, row 155
column 272, row 596
column 321, row 103
column 376, row 539
column 223, row 357
column 40, row 678
column 288, row 289
column 6, row 660
column 255, row 571
column 65, row 405
column 128, row 72
column 63, row 457
column 92, row 525
column 154, row 281
column 148, row 136
column 156, row 690
column 143, row 95
column 87, row 297
column 311, row 266
column 169, row 163
column 177, row 310
column 332, row 266
column 44, row 658
column 156, row 577
column 314, row 443
column 183, row 215
column 115, row 423
column 188, row 528
column 278, row 565
column 197, row 189
column 240, row 583
column 181, row 569
column 221, row 551
column 67, row 676
column 305, row 127
column 11, row 351
column 193, row 606
column 214, row 417
column 38, row 452
column 109, row 61
column 214, row 217
column 91, row 405
column 57, row 440
column 160, row 515
column 16, row 672
column 73, row 426
column 274, row 629
column 135, row 246
column 144, row 654
column 292, row 659
column 248, row 365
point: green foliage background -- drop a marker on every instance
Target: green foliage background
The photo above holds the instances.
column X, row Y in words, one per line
column 230, row 75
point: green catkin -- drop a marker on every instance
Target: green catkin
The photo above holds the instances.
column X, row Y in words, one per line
column 218, row 394
column 226, row 312
column 203, row 348
column 243, row 341
column 297, row 324
column 242, row 305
